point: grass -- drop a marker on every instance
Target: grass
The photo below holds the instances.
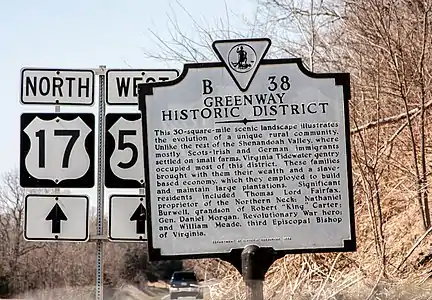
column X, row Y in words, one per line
column 125, row 292
column 352, row 287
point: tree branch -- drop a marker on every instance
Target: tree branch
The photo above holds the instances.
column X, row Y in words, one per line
column 392, row 119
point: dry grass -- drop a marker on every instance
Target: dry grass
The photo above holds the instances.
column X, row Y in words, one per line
column 343, row 276
column 347, row 276
column 124, row 292
column 158, row 284
column 65, row 293
column 339, row 286
column 129, row 292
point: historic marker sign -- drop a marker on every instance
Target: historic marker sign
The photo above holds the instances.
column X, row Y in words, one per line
column 122, row 84
column 56, row 218
column 247, row 151
column 57, row 150
column 124, row 162
column 57, row 86
column 127, row 218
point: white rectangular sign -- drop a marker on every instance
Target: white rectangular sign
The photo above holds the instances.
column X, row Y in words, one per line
column 248, row 158
column 121, row 84
column 57, row 86
column 127, row 218
column 56, row 218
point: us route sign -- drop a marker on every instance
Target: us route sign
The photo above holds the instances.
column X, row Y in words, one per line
column 122, row 84
column 57, row 150
column 57, row 86
column 255, row 151
column 124, row 161
column 127, row 218
column 56, row 218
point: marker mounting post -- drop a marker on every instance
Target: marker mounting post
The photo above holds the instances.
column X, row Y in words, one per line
column 255, row 262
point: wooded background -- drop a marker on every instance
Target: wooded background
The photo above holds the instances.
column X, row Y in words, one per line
column 386, row 47
column 28, row 266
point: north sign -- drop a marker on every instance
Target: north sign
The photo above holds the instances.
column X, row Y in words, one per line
column 57, row 86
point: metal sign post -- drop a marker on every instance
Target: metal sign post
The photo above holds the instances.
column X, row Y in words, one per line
column 255, row 262
column 100, row 185
column 58, row 151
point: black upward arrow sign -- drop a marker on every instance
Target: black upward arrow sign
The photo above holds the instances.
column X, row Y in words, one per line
column 140, row 217
column 56, row 215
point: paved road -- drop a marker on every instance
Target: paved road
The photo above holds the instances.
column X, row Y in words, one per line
column 203, row 285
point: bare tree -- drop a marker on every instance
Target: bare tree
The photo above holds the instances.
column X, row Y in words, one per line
column 180, row 47
column 304, row 28
column 386, row 47
column 397, row 34
column 13, row 247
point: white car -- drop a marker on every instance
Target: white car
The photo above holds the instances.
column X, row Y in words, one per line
column 184, row 284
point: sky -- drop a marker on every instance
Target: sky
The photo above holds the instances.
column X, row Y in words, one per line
column 86, row 34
